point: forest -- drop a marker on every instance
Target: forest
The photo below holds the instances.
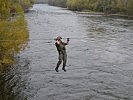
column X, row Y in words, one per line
column 107, row 6
column 13, row 30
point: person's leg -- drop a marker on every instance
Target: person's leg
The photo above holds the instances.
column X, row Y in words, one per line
column 64, row 61
column 59, row 62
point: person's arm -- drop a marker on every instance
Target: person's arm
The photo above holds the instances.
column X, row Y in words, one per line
column 67, row 42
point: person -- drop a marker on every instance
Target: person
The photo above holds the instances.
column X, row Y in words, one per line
column 62, row 52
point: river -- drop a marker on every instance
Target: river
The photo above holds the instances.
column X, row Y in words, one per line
column 100, row 58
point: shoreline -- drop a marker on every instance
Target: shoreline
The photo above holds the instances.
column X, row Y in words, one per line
column 108, row 15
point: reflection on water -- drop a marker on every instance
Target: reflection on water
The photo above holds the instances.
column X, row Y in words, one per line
column 13, row 81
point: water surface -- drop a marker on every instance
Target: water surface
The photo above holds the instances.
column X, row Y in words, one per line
column 100, row 57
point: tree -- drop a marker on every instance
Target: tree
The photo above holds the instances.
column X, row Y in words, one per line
column 61, row 3
column 130, row 7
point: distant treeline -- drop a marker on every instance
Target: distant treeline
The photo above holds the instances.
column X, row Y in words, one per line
column 106, row 6
column 60, row 3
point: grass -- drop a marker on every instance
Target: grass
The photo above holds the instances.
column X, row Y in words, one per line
column 13, row 37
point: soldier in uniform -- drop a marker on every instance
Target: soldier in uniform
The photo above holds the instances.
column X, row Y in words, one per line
column 62, row 52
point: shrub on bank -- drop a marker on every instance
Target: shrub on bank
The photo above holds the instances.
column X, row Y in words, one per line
column 106, row 6
column 60, row 3
column 13, row 32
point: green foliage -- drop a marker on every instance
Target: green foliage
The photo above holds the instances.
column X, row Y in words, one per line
column 26, row 4
column 76, row 4
column 130, row 7
column 81, row 4
column 13, row 32
column 60, row 3
column 107, row 6
column 4, row 9
column 13, row 35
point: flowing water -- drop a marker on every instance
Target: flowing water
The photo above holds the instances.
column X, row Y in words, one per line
column 100, row 58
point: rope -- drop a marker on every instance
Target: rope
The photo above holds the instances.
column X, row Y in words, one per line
column 42, row 39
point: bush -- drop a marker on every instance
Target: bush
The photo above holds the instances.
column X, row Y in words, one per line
column 13, row 34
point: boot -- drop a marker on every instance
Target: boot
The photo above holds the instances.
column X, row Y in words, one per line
column 64, row 69
column 56, row 69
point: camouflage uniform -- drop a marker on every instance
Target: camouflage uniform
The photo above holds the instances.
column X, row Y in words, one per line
column 62, row 54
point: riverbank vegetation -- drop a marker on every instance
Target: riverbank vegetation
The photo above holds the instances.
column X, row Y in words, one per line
column 106, row 6
column 25, row 4
column 124, row 7
column 13, row 30
column 60, row 3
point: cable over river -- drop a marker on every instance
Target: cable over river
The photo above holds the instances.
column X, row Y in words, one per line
column 100, row 58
